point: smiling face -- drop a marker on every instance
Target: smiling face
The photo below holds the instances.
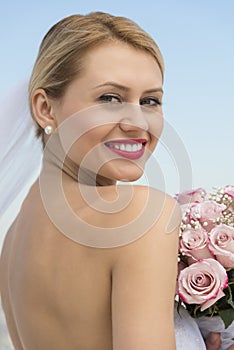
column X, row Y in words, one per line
column 121, row 88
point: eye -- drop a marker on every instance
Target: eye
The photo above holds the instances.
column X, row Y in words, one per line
column 151, row 101
column 110, row 98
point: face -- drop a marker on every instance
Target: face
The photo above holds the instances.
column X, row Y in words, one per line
column 117, row 107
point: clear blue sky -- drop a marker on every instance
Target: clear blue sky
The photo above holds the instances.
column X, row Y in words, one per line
column 197, row 41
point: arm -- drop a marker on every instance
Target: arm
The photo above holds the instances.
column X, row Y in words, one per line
column 143, row 288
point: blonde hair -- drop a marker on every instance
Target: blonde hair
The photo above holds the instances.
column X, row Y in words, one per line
column 61, row 53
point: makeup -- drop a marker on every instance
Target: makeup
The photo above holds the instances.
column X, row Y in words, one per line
column 127, row 148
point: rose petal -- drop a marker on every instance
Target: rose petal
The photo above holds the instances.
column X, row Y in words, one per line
column 221, row 243
column 211, row 301
column 202, row 282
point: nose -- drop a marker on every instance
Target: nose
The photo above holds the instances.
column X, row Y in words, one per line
column 133, row 117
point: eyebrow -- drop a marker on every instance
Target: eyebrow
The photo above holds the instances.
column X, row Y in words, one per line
column 125, row 88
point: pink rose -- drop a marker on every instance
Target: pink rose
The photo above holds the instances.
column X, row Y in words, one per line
column 229, row 190
column 193, row 242
column 207, row 211
column 222, row 244
column 196, row 195
column 202, row 283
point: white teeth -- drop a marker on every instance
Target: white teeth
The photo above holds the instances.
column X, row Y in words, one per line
column 129, row 148
column 126, row 147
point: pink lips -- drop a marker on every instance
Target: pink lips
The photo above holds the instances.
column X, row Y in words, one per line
column 127, row 148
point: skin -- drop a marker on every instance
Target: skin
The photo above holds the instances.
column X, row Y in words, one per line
column 60, row 294
column 92, row 88
column 213, row 342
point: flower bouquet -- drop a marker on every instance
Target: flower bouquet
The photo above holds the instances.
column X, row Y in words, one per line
column 206, row 260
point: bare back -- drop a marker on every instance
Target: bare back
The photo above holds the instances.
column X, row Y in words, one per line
column 57, row 293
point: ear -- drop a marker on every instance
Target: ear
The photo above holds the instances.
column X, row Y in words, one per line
column 43, row 110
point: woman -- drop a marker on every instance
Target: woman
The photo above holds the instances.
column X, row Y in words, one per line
column 88, row 264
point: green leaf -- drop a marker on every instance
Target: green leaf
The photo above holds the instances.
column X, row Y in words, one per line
column 230, row 299
column 227, row 316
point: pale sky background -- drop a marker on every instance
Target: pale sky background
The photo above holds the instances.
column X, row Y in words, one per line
column 197, row 41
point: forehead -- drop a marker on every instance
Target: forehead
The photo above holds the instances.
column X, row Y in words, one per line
column 117, row 60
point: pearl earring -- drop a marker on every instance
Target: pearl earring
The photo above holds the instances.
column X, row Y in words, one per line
column 48, row 129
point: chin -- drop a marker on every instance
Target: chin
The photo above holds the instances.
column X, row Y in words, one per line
column 126, row 173
column 131, row 177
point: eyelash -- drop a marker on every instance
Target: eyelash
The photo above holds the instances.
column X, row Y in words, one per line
column 106, row 98
column 156, row 101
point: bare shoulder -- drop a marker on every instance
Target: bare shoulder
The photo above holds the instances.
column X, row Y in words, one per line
column 144, row 276
column 158, row 209
column 146, row 195
column 119, row 205
column 156, row 217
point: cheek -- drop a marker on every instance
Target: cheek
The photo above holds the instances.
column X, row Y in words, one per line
column 89, row 145
column 82, row 130
column 153, row 143
column 68, row 111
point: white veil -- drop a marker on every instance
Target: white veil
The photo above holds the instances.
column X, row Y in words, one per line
column 20, row 163
column 20, row 154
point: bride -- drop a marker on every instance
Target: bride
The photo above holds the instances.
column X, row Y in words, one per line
column 81, row 265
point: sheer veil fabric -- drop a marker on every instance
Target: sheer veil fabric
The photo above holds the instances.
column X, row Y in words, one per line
column 188, row 335
column 20, row 150
column 20, row 163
